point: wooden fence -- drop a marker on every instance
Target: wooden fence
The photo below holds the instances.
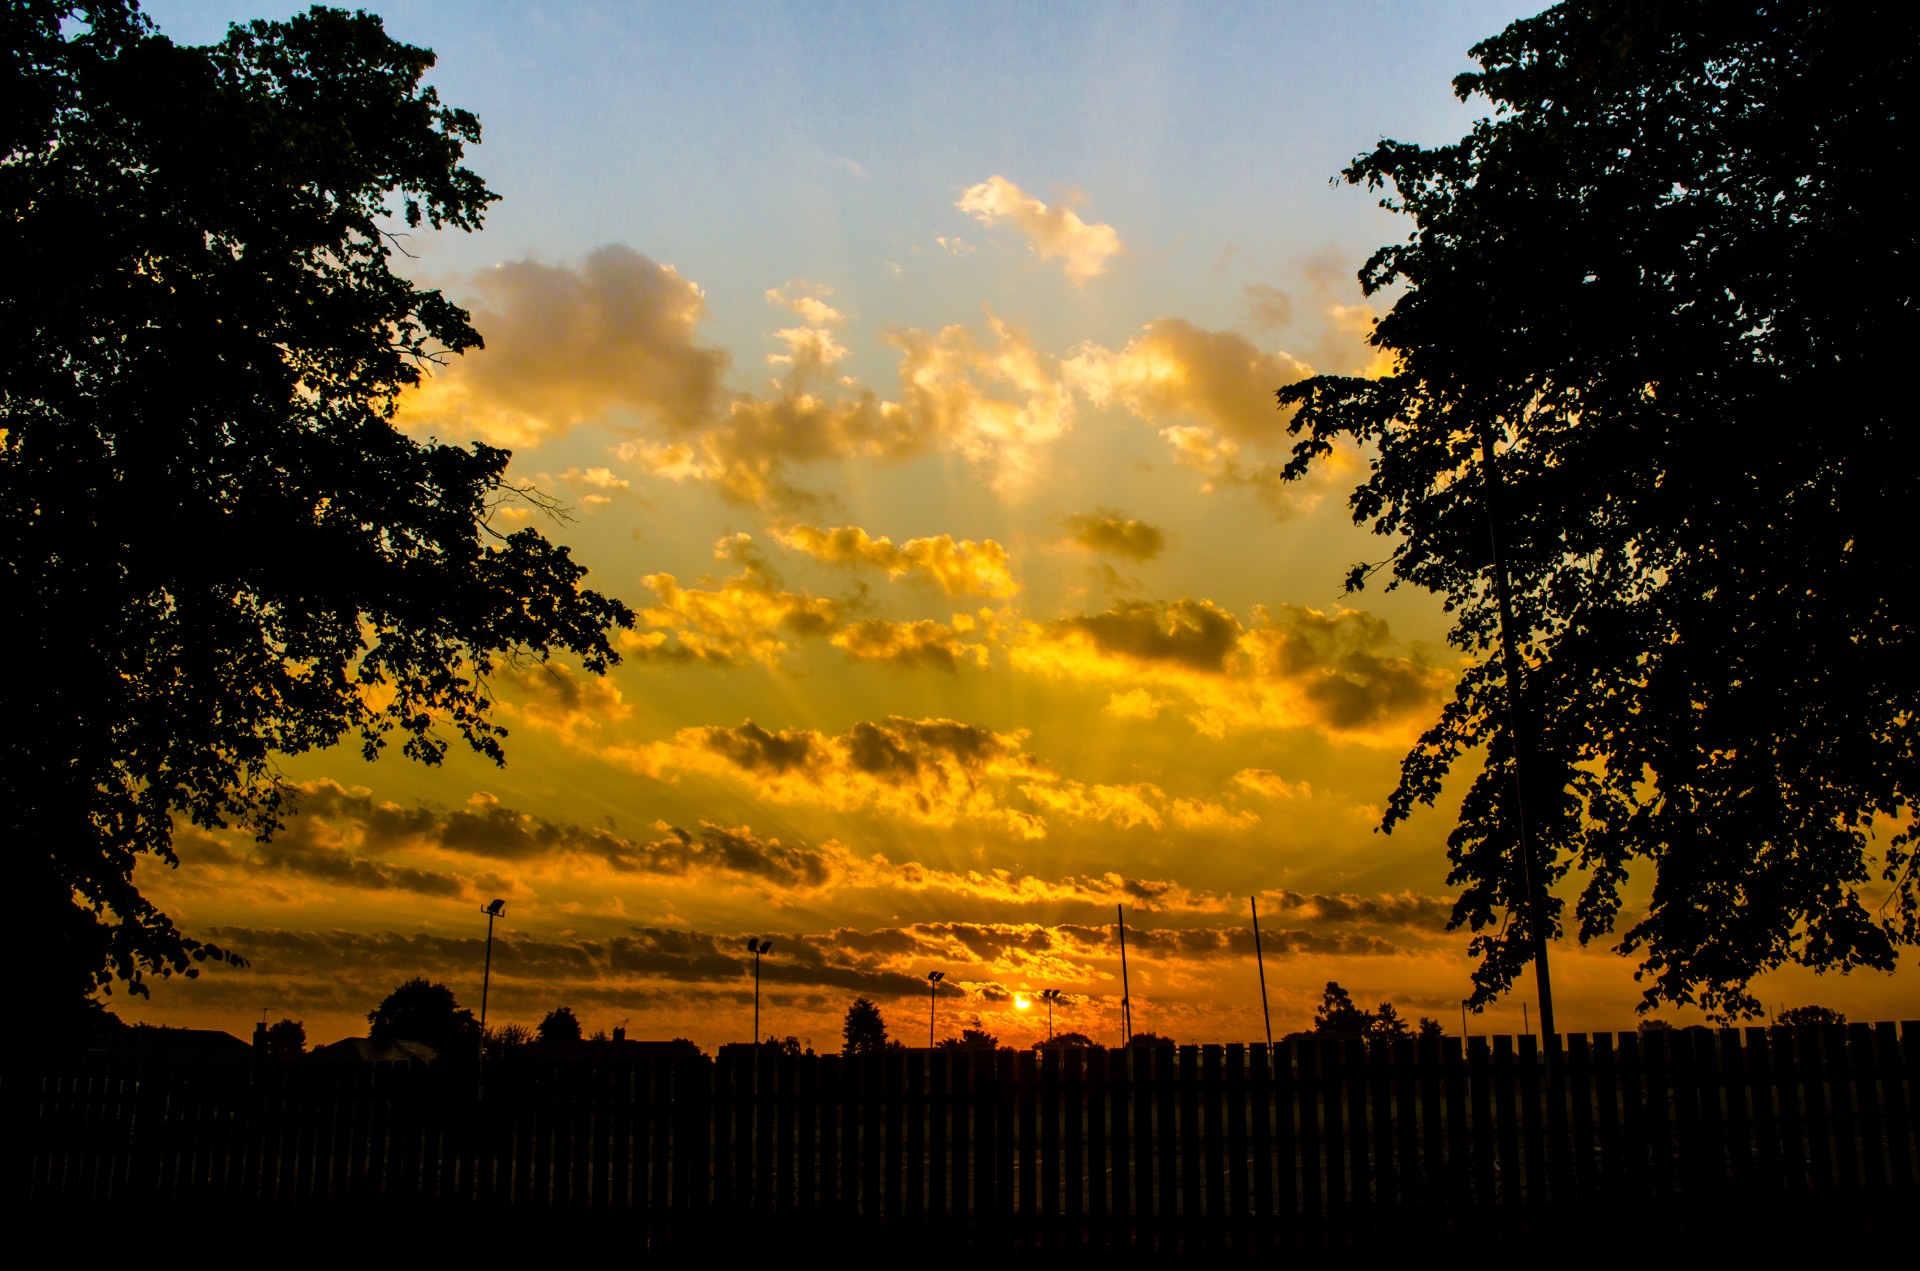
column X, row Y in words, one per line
column 1221, row 1139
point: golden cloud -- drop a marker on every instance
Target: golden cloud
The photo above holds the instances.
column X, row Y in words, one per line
column 1290, row 667
column 1271, row 785
column 741, row 619
column 1054, row 232
column 959, row 568
column 1211, row 395
column 554, row 697
column 568, row 345
column 1179, row 371
column 935, row 771
column 932, row 771
column 1110, row 532
column 999, row 403
column 995, row 401
column 922, row 643
column 1127, row 806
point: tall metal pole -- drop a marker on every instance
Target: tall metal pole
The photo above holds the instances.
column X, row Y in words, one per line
column 1530, row 880
column 1126, row 993
column 492, row 911
column 757, row 946
column 1261, row 961
column 933, row 995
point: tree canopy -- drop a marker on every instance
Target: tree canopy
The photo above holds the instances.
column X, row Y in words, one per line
column 287, row 1039
column 863, row 1032
column 558, row 1026
column 975, row 1038
column 1338, row 1018
column 1638, row 388
column 217, row 547
column 423, row 1010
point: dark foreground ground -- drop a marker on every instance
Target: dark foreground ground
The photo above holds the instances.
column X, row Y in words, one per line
column 1801, row 1231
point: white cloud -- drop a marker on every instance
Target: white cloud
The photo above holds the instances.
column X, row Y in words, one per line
column 1054, row 231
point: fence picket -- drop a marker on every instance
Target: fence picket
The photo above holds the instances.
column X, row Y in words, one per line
column 1236, row 1147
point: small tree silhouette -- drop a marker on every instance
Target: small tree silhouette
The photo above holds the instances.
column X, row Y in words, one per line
column 287, row 1039
column 864, row 1032
column 558, row 1027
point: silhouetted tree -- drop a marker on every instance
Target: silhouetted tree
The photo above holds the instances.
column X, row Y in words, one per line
column 208, row 520
column 1429, row 1027
column 1808, row 1016
column 558, row 1026
column 1149, row 1039
column 969, row 1039
column 1387, row 1024
column 1632, row 348
column 863, row 1031
column 1337, row 1018
column 1066, row 1041
column 507, row 1039
column 287, row 1040
column 422, row 1010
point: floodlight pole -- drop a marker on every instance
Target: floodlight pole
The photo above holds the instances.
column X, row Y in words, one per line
column 933, row 993
column 757, row 946
column 1261, row 961
column 1126, row 993
column 492, row 911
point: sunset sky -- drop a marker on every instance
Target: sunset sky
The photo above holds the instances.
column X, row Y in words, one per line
column 909, row 370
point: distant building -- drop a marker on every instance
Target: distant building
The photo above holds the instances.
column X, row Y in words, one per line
column 365, row 1050
column 149, row 1043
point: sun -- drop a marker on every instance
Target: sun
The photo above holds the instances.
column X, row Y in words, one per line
column 1021, row 1003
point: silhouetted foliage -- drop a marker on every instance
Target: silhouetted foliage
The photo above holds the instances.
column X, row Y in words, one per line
column 1429, row 1027
column 1640, row 345
column 863, row 1031
column 1149, row 1039
column 287, row 1040
column 507, row 1039
column 1337, row 1018
column 559, row 1026
column 788, row 1045
column 1808, row 1016
column 1067, row 1041
column 422, row 1010
column 218, row 549
column 969, row 1039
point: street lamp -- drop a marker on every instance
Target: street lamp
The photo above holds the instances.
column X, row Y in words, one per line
column 1052, row 996
column 492, row 910
column 756, row 947
column 933, row 989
